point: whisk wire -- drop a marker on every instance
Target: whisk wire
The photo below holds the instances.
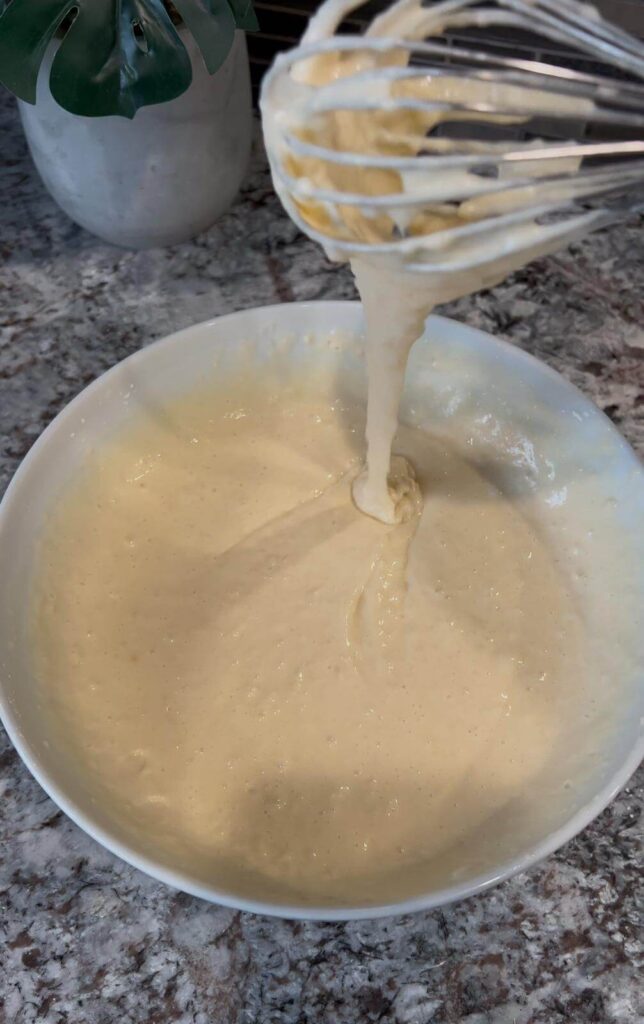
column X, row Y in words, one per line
column 469, row 141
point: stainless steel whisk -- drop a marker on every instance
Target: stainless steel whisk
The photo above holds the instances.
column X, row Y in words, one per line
column 514, row 157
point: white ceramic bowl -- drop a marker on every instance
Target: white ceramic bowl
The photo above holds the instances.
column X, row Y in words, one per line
column 560, row 446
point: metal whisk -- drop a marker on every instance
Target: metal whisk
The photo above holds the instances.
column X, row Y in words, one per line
column 446, row 157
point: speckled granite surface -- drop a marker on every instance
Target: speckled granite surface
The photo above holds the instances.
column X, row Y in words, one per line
column 86, row 939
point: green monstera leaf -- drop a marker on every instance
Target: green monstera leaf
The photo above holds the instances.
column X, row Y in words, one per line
column 245, row 16
column 114, row 55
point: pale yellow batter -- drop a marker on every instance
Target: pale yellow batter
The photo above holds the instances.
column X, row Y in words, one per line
column 279, row 694
column 272, row 691
column 344, row 103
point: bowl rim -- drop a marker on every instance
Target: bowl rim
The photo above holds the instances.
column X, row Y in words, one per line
column 183, row 882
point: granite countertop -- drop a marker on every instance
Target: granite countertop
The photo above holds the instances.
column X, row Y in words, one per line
column 87, row 939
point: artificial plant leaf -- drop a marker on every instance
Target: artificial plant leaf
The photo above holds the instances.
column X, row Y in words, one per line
column 102, row 68
column 212, row 24
column 245, row 16
column 115, row 55
column 26, row 29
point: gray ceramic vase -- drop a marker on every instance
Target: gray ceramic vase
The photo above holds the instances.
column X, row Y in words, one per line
column 160, row 178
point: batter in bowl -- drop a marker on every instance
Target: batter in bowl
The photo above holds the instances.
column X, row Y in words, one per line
column 267, row 689
column 276, row 692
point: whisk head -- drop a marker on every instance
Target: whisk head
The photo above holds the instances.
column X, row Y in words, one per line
column 404, row 144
